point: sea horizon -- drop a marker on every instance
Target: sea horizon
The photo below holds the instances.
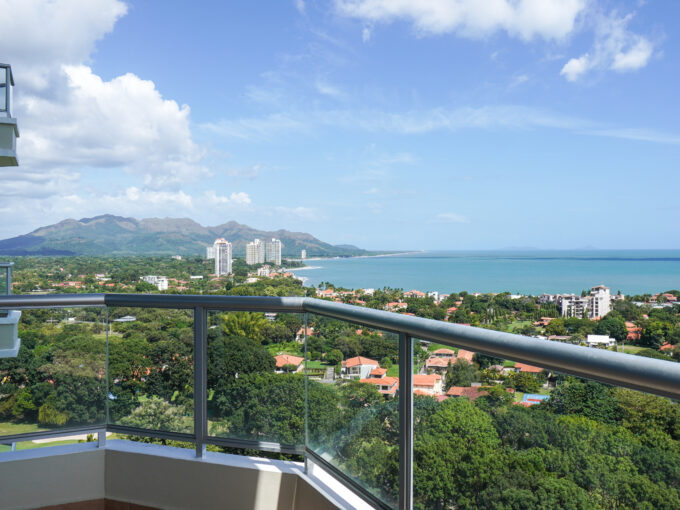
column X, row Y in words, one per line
column 519, row 271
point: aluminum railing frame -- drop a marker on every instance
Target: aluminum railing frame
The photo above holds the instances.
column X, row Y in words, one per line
column 639, row 373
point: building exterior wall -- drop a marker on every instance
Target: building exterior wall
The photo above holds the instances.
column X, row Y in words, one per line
column 255, row 252
column 273, row 251
column 223, row 259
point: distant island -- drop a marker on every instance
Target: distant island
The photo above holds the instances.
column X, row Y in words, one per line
column 109, row 235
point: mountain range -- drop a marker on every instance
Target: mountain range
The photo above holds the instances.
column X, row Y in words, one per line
column 115, row 235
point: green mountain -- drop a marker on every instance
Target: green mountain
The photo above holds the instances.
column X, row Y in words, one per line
column 115, row 235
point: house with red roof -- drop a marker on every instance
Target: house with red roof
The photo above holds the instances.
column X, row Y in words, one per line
column 327, row 293
column 430, row 384
column 414, row 293
column 437, row 365
column 471, row 392
column 358, row 367
column 300, row 335
column 444, row 353
column 395, row 306
column 668, row 298
column 466, row 355
column 530, row 369
column 284, row 361
column 388, row 386
column 378, row 372
column 633, row 331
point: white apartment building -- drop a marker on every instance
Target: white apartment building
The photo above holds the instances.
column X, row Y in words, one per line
column 223, row 260
column 209, row 252
column 161, row 282
column 273, row 251
column 572, row 305
column 597, row 304
column 303, row 254
column 255, row 252
column 264, row 271
column 600, row 301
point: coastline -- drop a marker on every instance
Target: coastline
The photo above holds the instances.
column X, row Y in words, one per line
column 366, row 256
column 630, row 271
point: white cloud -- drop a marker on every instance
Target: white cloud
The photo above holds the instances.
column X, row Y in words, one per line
column 124, row 122
column 576, row 67
column 236, row 198
column 526, row 19
column 408, row 122
column 300, row 6
column 616, row 48
column 366, row 34
column 451, row 218
column 39, row 36
column 327, row 89
column 635, row 58
column 493, row 117
column 71, row 120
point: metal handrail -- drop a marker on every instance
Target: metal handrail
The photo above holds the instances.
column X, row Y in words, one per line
column 649, row 375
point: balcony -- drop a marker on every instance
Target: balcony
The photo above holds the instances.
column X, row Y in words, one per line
column 9, row 130
column 181, row 371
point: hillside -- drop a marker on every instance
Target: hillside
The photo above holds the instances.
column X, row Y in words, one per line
column 115, row 235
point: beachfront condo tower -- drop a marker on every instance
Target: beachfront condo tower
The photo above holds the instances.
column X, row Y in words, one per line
column 273, row 251
column 222, row 257
column 255, row 252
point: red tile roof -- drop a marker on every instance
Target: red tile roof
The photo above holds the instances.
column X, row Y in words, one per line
column 466, row 355
column 379, row 372
column 426, row 380
column 359, row 360
column 391, row 382
column 523, row 367
column 287, row 359
column 445, row 351
column 473, row 393
column 437, row 362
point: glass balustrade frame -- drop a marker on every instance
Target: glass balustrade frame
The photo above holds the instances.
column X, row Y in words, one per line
column 658, row 377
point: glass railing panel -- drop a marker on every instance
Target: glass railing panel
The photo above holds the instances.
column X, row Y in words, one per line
column 255, row 377
column 4, row 277
column 151, row 368
column 353, row 405
column 32, row 444
column 57, row 380
column 513, row 435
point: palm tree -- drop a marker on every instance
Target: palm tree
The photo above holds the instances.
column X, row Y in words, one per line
column 244, row 324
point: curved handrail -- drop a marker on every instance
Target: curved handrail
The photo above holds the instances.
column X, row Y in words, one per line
column 636, row 372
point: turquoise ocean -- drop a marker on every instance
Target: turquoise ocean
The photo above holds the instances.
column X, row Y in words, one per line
column 518, row 272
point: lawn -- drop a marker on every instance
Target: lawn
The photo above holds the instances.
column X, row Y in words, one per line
column 317, row 364
column 30, row 445
column 292, row 348
column 514, row 326
column 10, row 429
column 393, row 371
column 633, row 349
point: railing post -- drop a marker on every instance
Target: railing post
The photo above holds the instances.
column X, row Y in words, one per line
column 101, row 438
column 405, row 422
column 200, row 379
column 306, row 438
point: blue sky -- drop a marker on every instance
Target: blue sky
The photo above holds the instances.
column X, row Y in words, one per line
column 388, row 124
